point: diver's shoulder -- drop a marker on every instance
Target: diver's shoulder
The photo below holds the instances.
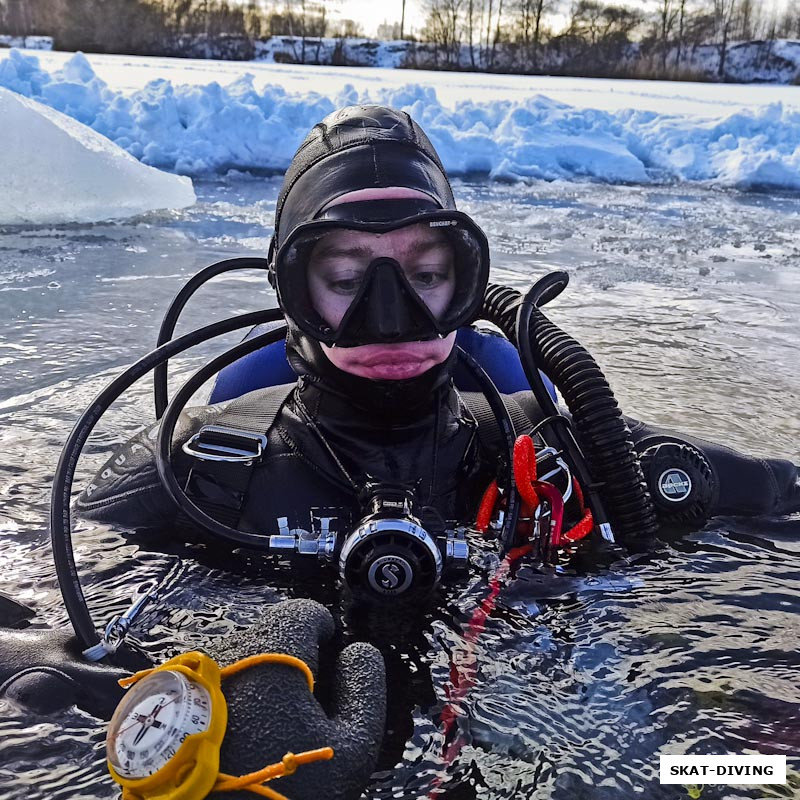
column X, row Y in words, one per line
column 129, row 478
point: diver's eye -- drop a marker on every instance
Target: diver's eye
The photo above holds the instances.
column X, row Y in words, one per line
column 430, row 278
column 344, row 284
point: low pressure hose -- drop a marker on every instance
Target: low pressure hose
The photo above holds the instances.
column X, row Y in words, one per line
column 61, row 494
column 603, row 433
column 167, row 330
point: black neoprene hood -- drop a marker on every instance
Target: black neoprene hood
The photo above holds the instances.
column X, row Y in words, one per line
column 358, row 147
column 362, row 147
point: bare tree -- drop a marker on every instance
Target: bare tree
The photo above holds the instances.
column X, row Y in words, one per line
column 497, row 33
column 598, row 37
column 786, row 25
column 323, row 30
column 488, row 28
column 350, row 29
column 681, row 31
column 442, row 28
column 667, row 13
column 539, row 8
column 470, row 31
column 792, row 18
column 16, row 17
column 724, row 11
column 527, row 23
column 598, row 22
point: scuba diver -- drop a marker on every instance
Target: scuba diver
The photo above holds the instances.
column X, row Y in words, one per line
column 384, row 445
column 378, row 277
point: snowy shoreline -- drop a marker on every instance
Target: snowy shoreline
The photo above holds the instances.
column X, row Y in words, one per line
column 768, row 61
column 195, row 126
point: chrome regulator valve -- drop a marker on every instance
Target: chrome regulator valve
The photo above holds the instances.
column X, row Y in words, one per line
column 390, row 555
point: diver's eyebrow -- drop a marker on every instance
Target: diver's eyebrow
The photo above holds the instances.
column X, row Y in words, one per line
column 429, row 244
column 339, row 251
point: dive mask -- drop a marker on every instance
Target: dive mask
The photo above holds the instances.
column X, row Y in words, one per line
column 380, row 299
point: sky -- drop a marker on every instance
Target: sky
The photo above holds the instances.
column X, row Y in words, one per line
column 371, row 13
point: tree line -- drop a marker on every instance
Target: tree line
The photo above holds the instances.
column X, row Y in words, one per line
column 571, row 37
column 587, row 37
column 169, row 27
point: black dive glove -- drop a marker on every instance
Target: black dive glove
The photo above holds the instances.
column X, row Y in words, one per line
column 271, row 710
column 43, row 670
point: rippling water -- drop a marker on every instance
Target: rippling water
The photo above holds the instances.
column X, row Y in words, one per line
column 689, row 298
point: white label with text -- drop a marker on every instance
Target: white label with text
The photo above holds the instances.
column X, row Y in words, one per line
column 709, row 770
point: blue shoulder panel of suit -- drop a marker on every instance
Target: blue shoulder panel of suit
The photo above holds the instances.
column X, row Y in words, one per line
column 269, row 367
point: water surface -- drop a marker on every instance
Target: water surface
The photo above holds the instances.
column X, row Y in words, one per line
column 690, row 300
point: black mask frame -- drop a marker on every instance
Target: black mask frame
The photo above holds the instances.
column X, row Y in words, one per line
column 471, row 252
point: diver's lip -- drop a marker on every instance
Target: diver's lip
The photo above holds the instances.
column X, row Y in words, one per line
column 392, row 357
column 391, row 361
column 393, row 370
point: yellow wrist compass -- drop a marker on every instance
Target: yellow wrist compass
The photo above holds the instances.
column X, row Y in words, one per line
column 164, row 738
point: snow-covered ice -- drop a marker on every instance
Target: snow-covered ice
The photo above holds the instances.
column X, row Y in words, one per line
column 619, row 132
column 28, row 42
column 54, row 169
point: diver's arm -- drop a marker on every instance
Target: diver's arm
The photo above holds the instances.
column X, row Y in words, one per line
column 127, row 490
column 741, row 484
column 744, row 485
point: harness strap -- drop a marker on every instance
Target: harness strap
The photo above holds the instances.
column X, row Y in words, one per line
column 223, row 460
column 222, row 466
column 489, row 432
column 257, row 411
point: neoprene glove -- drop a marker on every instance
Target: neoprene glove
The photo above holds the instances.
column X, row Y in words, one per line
column 43, row 670
column 271, row 710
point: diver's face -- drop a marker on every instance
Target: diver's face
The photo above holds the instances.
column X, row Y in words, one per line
column 336, row 267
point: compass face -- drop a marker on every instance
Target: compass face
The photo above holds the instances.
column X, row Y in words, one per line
column 153, row 720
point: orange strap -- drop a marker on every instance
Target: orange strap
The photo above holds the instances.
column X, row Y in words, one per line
column 586, row 524
column 238, row 666
column 286, row 766
column 525, row 470
column 270, row 658
column 525, row 478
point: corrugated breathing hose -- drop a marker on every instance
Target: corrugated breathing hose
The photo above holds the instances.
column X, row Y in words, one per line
column 603, row 433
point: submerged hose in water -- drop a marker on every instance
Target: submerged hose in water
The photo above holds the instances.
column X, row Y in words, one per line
column 603, row 432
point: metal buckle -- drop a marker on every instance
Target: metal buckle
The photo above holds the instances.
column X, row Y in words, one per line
column 561, row 466
column 117, row 629
column 241, row 446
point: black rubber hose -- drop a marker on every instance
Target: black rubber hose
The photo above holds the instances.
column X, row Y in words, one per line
column 61, row 495
column 167, row 330
column 605, row 436
column 545, row 289
column 503, row 417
